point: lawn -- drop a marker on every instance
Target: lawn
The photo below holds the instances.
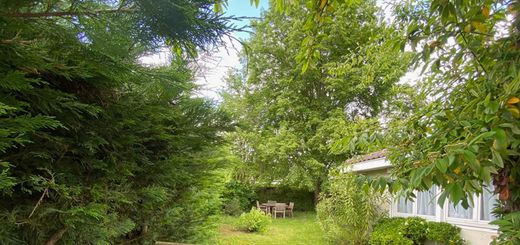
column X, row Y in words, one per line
column 302, row 229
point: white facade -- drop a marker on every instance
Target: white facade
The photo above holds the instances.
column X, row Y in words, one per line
column 474, row 221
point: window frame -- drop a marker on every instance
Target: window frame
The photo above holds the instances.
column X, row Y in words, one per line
column 442, row 213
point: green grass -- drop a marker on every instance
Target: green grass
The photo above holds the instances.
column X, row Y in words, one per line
column 302, row 229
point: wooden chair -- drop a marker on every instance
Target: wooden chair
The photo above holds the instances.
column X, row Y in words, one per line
column 279, row 208
column 262, row 208
column 290, row 208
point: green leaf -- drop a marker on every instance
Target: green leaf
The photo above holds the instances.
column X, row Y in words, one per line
column 497, row 159
column 482, row 136
column 511, row 126
column 442, row 165
column 471, row 159
column 456, row 193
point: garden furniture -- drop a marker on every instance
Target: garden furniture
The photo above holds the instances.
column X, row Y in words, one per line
column 279, row 208
column 262, row 208
column 290, row 208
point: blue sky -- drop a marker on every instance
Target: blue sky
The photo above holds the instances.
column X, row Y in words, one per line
column 239, row 8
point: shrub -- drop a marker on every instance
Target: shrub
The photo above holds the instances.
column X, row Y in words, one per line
column 379, row 238
column 233, row 207
column 415, row 230
column 237, row 197
column 254, row 221
column 347, row 212
column 444, row 232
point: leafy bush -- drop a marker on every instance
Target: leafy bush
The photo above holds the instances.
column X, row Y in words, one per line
column 238, row 197
column 254, row 221
column 233, row 207
column 347, row 212
column 380, row 238
column 414, row 230
column 444, row 232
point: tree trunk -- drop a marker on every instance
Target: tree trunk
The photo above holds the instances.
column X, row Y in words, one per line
column 56, row 236
column 317, row 191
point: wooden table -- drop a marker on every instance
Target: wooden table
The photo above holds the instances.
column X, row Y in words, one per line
column 271, row 205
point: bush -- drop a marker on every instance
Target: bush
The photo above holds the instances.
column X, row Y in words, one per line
column 347, row 212
column 444, row 232
column 379, row 238
column 233, row 207
column 254, row 221
column 237, row 197
column 415, row 230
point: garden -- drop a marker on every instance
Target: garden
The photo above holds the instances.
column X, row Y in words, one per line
column 114, row 130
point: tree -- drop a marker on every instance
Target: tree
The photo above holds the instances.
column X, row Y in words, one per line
column 289, row 119
column 465, row 137
column 94, row 147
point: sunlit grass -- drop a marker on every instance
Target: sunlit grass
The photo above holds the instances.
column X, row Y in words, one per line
column 302, row 229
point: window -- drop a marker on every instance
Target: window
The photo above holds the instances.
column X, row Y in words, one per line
column 404, row 206
column 426, row 203
column 488, row 202
column 459, row 212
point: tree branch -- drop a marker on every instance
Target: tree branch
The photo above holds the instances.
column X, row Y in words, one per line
column 66, row 13
column 45, row 193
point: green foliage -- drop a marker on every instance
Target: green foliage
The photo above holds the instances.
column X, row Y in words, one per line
column 466, row 135
column 288, row 121
column 509, row 229
column 303, row 199
column 348, row 209
column 414, row 230
column 237, row 197
column 443, row 232
column 94, row 147
column 381, row 238
column 233, row 207
column 254, row 221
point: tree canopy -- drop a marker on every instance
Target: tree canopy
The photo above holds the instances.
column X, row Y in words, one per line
column 95, row 147
column 289, row 119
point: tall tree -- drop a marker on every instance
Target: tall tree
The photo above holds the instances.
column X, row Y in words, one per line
column 94, row 147
column 291, row 119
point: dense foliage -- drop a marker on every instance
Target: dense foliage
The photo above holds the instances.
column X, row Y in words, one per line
column 238, row 197
column 289, row 120
column 466, row 137
column 254, row 221
column 348, row 210
column 414, row 230
column 95, row 148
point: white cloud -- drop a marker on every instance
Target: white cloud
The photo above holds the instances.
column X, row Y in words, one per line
column 212, row 67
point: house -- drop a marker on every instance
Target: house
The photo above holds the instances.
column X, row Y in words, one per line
column 474, row 221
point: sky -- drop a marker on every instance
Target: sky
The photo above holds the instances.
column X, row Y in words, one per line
column 213, row 66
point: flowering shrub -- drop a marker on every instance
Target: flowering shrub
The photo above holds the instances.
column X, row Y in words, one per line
column 254, row 221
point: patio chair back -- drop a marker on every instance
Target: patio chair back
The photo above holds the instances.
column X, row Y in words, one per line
column 271, row 201
column 280, row 206
column 291, row 206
